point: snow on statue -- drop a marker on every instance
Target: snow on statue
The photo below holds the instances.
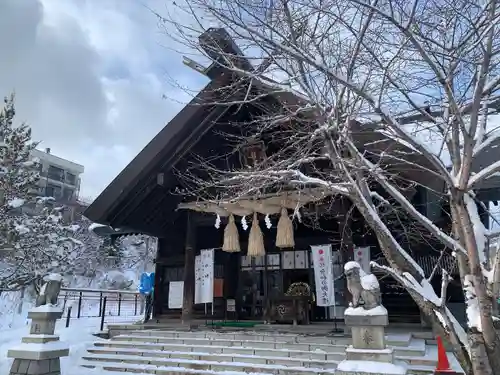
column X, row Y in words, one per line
column 362, row 286
column 49, row 292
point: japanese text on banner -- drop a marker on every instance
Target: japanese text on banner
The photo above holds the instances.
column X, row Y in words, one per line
column 323, row 275
column 207, row 276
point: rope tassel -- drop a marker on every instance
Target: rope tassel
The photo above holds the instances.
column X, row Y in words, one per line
column 255, row 239
column 284, row 233
column 231, row 237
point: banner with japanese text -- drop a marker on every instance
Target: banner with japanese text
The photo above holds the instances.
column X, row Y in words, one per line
column 197, row 279
column 323, row 274
column 204, row 277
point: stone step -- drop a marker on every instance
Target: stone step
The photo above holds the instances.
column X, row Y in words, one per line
column 253, row 356
column 250, row 336
column 416, row 347
column 228, row 342
column 269, row 359
column 315, row 354
column 399, row 339
column 117, row 360
column 164, row 366
column 186, row 350
column 160, row 370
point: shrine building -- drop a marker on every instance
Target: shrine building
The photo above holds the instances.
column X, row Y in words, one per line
column 145, row 198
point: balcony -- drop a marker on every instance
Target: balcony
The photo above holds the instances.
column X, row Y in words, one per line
column 69, row 179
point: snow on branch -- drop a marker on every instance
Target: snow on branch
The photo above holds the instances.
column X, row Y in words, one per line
column 378, row 175
column 489, row 171
column 424, row 289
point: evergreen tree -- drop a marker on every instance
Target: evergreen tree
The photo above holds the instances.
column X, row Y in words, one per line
column 33, row 238
column 18, row 173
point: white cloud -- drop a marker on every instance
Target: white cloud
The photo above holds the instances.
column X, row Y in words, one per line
column 89, row 78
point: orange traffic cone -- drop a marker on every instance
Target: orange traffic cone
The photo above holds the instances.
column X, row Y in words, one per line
column 443, row 365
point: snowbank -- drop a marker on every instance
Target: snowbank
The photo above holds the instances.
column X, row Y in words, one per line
column 371, row 367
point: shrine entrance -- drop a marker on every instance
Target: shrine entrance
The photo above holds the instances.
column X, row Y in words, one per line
column 284, row 273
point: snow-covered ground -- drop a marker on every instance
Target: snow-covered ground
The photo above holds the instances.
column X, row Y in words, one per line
column 79, row 335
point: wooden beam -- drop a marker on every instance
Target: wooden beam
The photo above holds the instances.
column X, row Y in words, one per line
column 194, row 65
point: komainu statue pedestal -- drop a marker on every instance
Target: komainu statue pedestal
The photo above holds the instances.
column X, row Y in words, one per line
column 368, row 353
column 40, row 351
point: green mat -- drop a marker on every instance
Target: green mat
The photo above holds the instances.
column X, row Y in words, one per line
column 249, row 324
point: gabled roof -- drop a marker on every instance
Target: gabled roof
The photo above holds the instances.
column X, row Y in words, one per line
column 157, row 154
column 137, row 181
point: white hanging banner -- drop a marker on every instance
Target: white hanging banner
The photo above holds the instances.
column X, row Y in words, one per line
column 323, row 274
column 207, row 276
column 362, row 256
column 197, row 279
column 175, row 294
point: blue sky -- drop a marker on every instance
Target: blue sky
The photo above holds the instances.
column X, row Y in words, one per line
column 90, row 78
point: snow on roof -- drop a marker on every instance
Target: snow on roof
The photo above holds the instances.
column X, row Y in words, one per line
column 93, row 226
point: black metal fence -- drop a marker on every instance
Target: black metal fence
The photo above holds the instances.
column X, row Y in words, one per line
column 89, row 303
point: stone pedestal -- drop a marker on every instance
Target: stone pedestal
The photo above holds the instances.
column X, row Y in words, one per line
column 40, row 351
column 368, row 353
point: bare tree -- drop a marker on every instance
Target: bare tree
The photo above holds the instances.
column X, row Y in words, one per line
column 374, row 97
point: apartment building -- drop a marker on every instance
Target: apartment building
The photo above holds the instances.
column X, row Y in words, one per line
column 59, row 178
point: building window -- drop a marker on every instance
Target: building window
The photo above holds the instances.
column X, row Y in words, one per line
column 68, row 194
column 55, row 173
column 53, row 191
column 70, row 178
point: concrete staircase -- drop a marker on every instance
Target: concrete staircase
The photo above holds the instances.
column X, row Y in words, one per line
column 210, row 352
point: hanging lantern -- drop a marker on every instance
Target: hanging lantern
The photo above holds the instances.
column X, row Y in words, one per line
column 284, row 233
column 231, row 237
column 255, row 239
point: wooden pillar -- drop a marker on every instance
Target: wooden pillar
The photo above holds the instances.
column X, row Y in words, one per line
column 189, row 282
column 158, row 294
column 231, row 274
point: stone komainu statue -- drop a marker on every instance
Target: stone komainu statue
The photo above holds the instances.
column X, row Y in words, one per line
column 362, row 286
column 49, row 292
